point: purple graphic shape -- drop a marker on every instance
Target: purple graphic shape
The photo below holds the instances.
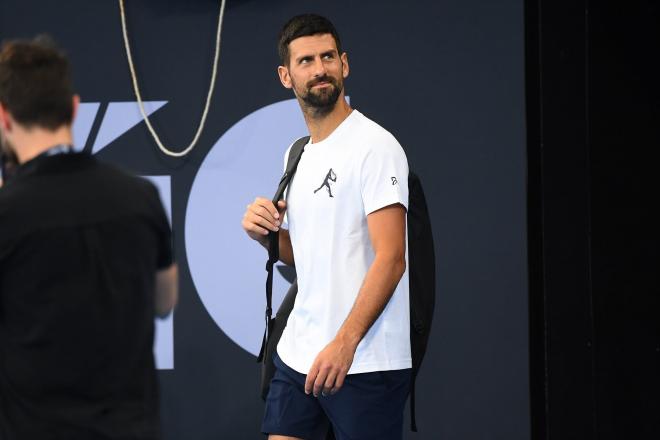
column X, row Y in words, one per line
column 82, row 125
column 119, row 118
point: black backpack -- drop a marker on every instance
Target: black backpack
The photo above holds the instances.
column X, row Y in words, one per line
column 421, row 273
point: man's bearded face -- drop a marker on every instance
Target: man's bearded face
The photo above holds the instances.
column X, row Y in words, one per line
column 320, row 93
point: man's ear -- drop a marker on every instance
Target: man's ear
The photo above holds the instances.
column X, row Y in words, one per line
column 285, row 77
column 76, row 104
column 344, row 65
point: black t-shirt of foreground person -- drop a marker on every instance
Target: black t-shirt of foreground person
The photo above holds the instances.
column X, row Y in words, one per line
column 85, row 265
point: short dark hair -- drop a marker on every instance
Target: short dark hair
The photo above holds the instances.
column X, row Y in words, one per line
column 35, row 83
column 302, row 26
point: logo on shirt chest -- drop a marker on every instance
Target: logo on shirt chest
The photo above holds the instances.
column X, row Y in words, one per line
column 330, row 178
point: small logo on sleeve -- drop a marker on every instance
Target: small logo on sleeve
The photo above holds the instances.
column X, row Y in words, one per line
column 329, row 178
column 394, row 181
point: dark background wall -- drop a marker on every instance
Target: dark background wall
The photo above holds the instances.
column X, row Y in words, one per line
column 445, row 77
column 624, row 131
column 592, row 124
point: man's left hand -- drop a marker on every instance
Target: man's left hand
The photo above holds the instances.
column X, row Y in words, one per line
column 329, row 369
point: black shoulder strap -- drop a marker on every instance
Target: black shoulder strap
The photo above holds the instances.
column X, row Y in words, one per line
column 291, row 165
column 295, row 153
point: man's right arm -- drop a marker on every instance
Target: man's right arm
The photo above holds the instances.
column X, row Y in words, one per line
column 260, row 218
column 167, row 290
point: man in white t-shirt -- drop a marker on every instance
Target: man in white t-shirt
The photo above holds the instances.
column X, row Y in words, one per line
column 344, row 355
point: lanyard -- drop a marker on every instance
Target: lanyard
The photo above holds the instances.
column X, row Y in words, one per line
column 8, row 168
column 57, row 150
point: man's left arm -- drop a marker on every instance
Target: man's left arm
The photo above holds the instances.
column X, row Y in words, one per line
column 387, row 231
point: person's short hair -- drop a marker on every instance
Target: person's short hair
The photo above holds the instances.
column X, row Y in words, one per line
column 303, row 26
column 35, row 83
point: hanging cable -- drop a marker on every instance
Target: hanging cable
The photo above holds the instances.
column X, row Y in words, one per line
column 136, row 88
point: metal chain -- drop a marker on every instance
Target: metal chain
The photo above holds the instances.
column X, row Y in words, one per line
column 136, row 88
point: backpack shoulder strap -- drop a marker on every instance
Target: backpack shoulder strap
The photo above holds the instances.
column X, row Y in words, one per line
column 295, row 153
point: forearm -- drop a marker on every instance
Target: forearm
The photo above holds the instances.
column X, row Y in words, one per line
column 167, row 290
column 286, row 250
column 378, row 287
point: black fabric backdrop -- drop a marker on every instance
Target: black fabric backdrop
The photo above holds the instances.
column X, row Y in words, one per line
column 445, row 77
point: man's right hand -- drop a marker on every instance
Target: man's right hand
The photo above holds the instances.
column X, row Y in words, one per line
column 261, row 216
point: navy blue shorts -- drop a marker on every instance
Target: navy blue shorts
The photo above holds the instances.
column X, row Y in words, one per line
column 368, row 406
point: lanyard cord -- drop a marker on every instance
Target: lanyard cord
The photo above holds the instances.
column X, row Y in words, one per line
column 57, row 150
column 9, row 164
column 136, row 88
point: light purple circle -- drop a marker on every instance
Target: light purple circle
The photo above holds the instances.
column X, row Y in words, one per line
column 227, row 267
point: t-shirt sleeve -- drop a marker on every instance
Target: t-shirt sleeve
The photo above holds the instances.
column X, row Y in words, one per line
column 384, row 176
column 165, row 254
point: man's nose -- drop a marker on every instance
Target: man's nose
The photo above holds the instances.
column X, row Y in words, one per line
column 319, row 67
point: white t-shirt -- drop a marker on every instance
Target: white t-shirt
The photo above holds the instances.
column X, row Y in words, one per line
column 357, row 170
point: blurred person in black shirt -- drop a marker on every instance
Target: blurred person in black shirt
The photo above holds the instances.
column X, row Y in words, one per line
column 85, row 264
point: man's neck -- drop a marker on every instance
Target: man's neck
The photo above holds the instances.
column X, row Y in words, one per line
column 322, row 126
column 34, row 142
